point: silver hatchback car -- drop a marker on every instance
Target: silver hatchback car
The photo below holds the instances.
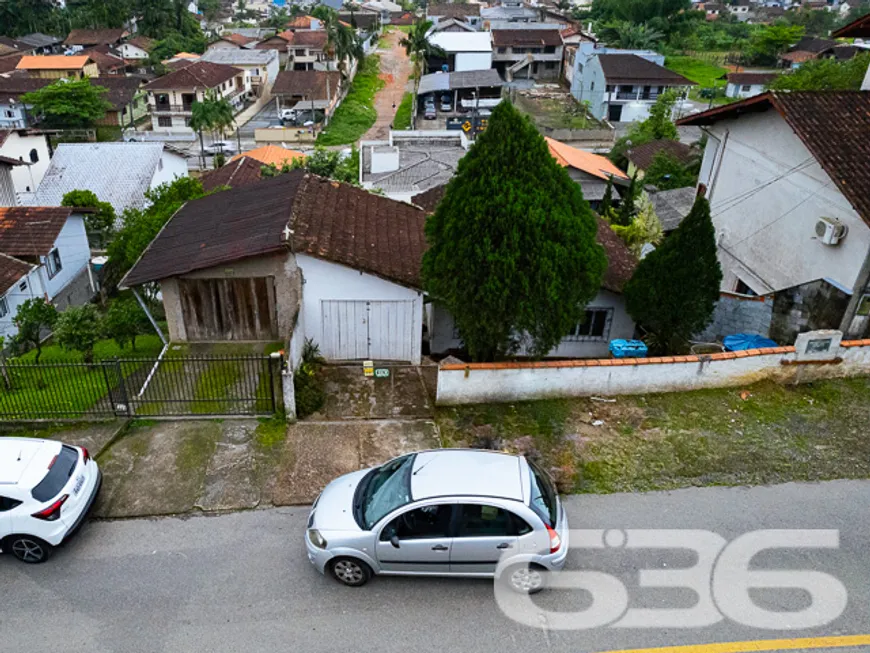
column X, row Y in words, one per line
column 447, row 512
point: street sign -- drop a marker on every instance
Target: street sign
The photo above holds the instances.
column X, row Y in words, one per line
column 382, row 373
column 466, row 126
column 368, row 368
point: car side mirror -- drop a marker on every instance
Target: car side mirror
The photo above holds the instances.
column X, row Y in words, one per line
column 394, row 540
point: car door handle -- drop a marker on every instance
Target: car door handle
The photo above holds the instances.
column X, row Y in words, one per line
column 439, row 547
column 505, row 545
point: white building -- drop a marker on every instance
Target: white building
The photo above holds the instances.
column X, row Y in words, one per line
column 31, row 150
column 465, row 50
column 787, row 179
column 744, row 85
column 260, row 66
column 137, row 48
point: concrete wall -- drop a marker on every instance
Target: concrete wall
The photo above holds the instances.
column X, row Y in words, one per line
column 473, row 61
column 26, row 179
column 507, row 382
column 767, row 193
column 75, row 253
column 808, row 307
column 739, row 314
column 736, row 90
column 171, row 167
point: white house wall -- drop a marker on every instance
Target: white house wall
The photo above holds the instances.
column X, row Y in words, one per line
column 473, row 61
column 15, row 297
column 768, row 238
column 27, row 178
column 171, row 167
column 330, row 281
column 72, row 244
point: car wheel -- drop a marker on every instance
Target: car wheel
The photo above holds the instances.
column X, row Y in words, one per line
column 28, row 548
column 351, row 572
column 525, row 579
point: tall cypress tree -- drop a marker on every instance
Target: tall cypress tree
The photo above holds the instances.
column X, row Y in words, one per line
column 607, row 201
column 512, row 253
column 675, row 288
column 627, row 207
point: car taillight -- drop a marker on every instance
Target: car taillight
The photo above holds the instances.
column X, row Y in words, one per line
column 85, row 455
column 52, row 513
column 555, row 540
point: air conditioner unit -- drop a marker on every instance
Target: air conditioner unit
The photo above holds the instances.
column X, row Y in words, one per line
column 831, row 231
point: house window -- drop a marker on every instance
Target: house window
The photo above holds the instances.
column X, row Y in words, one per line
column 164, row 121
column 4, row 307
column 22, row 286
column 595, row 326
column 187, row 122
column 742, row 289
column 550, row 65
column 746, row 88
column 550, row 49
column 502, row 50
column 9, row 114
column 34, row 156
column 53, row 263
column 863, row 306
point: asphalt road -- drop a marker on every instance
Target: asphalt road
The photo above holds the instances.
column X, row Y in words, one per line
column 241, row 582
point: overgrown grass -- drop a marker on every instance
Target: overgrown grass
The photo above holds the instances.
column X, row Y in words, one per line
column 704, row 74
column 356, row 114
column 565, row 113
column 403, row 113
column 270, row 433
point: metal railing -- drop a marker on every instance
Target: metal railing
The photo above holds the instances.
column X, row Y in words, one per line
column 171, row 107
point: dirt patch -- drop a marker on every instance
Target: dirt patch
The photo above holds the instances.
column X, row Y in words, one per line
column 350, row 395
column 395, row 72
column 316, row 453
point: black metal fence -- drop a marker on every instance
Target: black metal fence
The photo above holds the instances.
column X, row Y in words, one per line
column 188, row 385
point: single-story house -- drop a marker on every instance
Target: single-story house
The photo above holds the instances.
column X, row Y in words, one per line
column 275, row 155
column 58, row 66
column 641, row 157
column 293, row 257
column 230, row 42
column 260, row 66
column 138, row 48
column 466, row 13
column 44, row 252
column 107, row 59
column 31, row 151
column 117, row 173
column 465, row 91
column 591, row 171
column 41, row 43
column 743, row 85
column 88, row 38
column 129, row 102
column 302, row 89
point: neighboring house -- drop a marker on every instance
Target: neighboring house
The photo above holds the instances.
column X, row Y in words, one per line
column 468, row 14
column 623, row 87
column 790, row 200
column 528, row 54
column 274, row 155
column 42, row 43
column 57, row 66
column 301, row 50
column 31, row 151
column 307, row 90
column 171, row 97
column 467, row 91
column 44, row 252
column 606, row 318
column 88, row 38
column 117, row 173
column 230, row 42
column 307, row 22
column 672, row 206
column 590, row 171
column 327, row 261
column 7, row 189
column 744, row 85
column 138, row 48
column 13, row 113
column 411, row 162
column 235, row 174
column 129, row 102
column 510, row 11
column 453, row 25
column 641, row 157
column 109, row 60
column 260, row 66
column 811, row 47
column 362, row 21
column 577, row 59
column 858, row 29
column 740, row 10
column 464, row 50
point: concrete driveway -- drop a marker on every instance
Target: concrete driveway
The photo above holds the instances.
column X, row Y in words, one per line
column 265, row 117
column 241, row 582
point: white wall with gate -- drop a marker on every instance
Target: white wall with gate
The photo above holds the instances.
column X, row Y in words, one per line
column 352, row 315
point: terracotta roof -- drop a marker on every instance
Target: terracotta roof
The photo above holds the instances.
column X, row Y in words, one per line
column 186, row 55
column 631, row 69
column 309, row 83
column 122, row 89
column 30, row 230
column 199, row 74
column 642, row 155
column 306, row 39
column 52, row 62
column 593, row 164
column 856, row 29
column 273, row 43
column 11, row 270
column 271, row 154
column 106, row 59
column 238, row 39
column 529, row 38
column 751, row 78
column 300, row 22
column 15, row 86
column 799, row 56
column 429, row 200
column 453, row 10
column 406, row 18
column 235, row 174
column 142, row 42
column 621, row 263
column 94, row 36
column 328, row 220
column 833, row 125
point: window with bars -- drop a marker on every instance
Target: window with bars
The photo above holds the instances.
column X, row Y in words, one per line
column 594, row 327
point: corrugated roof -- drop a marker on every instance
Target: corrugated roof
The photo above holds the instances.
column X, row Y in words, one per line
column 642, row 155
column 241, row 57
column 631, row 69
column 199, row 74
column 30, row 230
column 52, row 62
column 593, row 164
column 488, row 78
column 462, row 41
column 39, row 40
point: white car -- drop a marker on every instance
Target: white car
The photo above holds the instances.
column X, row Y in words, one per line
column 220, row 147
column 288, row 114
column 46, row 491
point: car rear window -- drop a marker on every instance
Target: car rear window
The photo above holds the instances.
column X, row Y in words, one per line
column 58, row 475
column 543, row 500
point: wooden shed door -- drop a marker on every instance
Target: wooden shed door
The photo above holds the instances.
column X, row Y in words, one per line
column 374, row 330
column 229, row 309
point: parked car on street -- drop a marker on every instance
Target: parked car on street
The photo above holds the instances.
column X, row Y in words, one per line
column 220, row 147
column 46, row 491
column 446, row 102
column 429, row 112
column 450, row 512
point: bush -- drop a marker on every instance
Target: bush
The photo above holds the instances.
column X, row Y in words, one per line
column 308, row 383
column 79, row 328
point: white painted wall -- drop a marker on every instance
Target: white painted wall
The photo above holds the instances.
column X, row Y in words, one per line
column 171, row 167
column 15, row 297
column 130, row 51
column 324, row 281
column 769, row 239
column 12, row 116
column 72, row 243
column 473, row 61
column 26, row 179
column 494, row 383
column 736, row 90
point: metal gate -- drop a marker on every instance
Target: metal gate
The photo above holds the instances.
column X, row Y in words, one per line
column 367, row 330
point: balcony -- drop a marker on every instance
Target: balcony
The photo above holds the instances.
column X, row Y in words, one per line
column 634, row 95
column 172, row 108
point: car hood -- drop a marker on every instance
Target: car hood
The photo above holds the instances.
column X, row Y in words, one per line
column 334, row 509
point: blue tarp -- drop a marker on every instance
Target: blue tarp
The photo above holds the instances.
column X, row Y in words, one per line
column 743, row 341
column 628, row 348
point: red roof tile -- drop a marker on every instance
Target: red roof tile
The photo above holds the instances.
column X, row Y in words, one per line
column 235, row 174
column 526, row 37
column 238, row 39
column 199, row 74
column 87, row 37
column 642, row 155
column 30, row 230
column 11, row 270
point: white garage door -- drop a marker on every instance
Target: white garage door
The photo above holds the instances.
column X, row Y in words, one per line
column 367, row 330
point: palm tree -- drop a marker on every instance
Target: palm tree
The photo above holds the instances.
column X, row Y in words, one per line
column 344, row 43
column 214, row 114
column 201, row 118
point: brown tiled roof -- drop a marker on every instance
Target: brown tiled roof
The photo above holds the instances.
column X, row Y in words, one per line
column 122, row 89
column 11, row 270
column 238, row 39
column 621, row 263
column 453, row 10
column 94, row 36
column 199, row 74
column 751, row 78
column 833, row 125
column 30, row 230
column 812, row 44
column 273, row 43
column 310, row 83
column 428, row 200
column 799, row 56
column 632, row 69
column 15, row 86
column 106, row 59
column 406, row 18
column 528, row 38
column 328, row 220
column 142, row 42
column 9, row 62
column 642, row 155
column 235, row 174
column 306, row 38
column 856, row 29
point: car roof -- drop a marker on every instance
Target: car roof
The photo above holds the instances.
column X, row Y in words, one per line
column 467, row 472
column 17, row 455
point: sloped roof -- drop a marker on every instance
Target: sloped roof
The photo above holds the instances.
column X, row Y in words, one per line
column 199, row 74
column 753, row 79
column 237, row 39
column 94, row 36
column 142, row 42
column 306, row 38
column 9, row 62
column 122, row 89
column 309, row 83
column 672, row 206
column 812, row 44
column 15, row 86
column 235, row 174
column 31, row 230
column 106, row 59
column 231, row 57
column 859, row 28
column 271, row 155
column 429, row 200
column 527, row 37
column 593, row 164
column 453, row 10
column 631, row 69
column 799, row 56
column 11, row 270
column 52, row 62
column 327, row 220
column 117, row 173
column 642, row 155
column 39, row 40
column 833, row 125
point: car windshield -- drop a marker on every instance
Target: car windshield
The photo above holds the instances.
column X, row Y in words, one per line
column 58, row 475
column 543, row 500
column 388, row 489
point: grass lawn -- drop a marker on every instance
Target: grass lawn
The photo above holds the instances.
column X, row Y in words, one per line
column 702, row 73
column 766, row 433
column 403, row 113
column 356, row 114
